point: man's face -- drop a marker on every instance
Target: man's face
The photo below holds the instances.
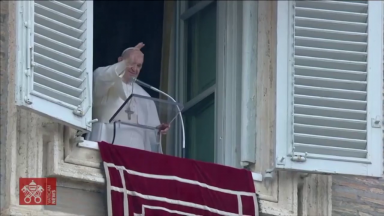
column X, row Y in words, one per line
column 135, row 60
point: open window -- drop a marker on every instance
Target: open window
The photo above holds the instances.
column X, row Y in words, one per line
column 62, row 42
column 207, row 79
column 329, row 87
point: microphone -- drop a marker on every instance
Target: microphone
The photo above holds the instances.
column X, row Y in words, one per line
column 134, row 79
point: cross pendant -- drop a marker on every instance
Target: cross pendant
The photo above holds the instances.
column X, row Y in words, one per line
column 129, row 112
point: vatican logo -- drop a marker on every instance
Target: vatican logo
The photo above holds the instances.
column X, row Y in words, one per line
column 32, row 191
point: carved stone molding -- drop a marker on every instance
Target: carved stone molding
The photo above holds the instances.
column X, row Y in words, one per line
column 76, row 155
column 58, row 167
column 23, row 211
column 285, row 202
column 315, row 193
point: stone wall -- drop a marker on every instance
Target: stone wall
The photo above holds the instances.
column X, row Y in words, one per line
column 357, row 196
column 3, row 94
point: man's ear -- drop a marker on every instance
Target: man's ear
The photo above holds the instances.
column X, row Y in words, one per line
column 119, row 59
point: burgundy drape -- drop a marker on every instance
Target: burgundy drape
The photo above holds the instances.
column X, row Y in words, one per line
column 157, row 184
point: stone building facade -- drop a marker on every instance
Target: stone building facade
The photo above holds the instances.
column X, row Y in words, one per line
column 35, row 146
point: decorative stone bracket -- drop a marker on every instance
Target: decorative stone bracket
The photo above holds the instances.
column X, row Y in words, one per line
column 67, row 160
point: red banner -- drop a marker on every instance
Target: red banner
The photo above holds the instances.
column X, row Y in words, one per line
column 145, row 183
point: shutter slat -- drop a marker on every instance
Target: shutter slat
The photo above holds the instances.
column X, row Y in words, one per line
column 74, row 3
column 330, row 102
column 56, row 15
column 327, row 150
column 330, row 141
column 330, row 131
column 57, row 65
column 57, row 75
column 62, row 57
column 331, row 53
column 330, row 83
column 350, row 6
column 331, row 14
column 59, row 86
column 328, row 92
column 58, row 26
column 331, row 24
column 330, row 76
column 331, row 34
column 57, row 95
column 331, row 63
column 330, row 112
column 63, row 8
column 58, row 36
column 330, row 44
column 330, row 122
column 330, row 73
column 59, row 46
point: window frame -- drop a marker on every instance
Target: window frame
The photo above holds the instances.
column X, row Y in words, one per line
column 227, row 136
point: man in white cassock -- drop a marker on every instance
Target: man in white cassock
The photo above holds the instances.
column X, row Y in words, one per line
column 112, row 85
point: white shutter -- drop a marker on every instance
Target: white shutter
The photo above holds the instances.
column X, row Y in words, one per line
column 329, row 87
column 55, row 54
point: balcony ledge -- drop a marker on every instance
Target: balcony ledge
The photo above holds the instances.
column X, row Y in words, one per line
column 94, row 145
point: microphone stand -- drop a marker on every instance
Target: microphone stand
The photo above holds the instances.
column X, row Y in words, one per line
column 178, row 108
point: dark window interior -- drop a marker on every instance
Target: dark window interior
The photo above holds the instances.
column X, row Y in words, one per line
column 118, row 25
column 122, row 24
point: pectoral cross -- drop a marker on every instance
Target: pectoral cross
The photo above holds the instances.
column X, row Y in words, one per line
column 129, row 112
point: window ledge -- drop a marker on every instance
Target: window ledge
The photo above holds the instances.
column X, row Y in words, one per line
column 94, row 145
column 89, row 144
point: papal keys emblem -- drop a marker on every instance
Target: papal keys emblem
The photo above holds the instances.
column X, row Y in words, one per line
column 32, row 191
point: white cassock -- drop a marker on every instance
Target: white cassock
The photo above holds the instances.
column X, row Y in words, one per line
column 110, row 92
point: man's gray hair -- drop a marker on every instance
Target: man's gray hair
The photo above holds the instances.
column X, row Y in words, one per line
column 127, row 51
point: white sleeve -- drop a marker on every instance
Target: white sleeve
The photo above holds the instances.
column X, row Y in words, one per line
column 154, row 121
column 104, row 78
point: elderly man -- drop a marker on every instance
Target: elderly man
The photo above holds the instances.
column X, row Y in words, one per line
column 112, row 86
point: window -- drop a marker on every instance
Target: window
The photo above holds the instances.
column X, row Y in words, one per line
column 57, row 45
column 329, row 87
column 200, row 82
column 204, row 72
column 56, row 51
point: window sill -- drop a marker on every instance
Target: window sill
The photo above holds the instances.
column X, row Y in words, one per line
column 89, row 145
column 94, row 145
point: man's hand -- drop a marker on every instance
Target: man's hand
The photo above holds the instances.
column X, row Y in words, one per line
column 139, row 45
column 163, row 128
